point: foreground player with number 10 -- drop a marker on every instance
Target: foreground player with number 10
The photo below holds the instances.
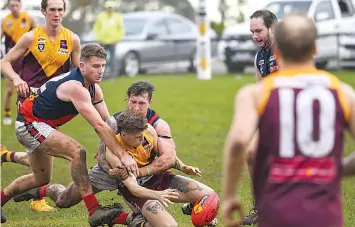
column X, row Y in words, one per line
column 301, row 114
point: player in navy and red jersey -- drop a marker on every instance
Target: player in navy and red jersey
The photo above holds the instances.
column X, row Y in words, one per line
column 302, row 114
column 54, row 104
column 262, row 24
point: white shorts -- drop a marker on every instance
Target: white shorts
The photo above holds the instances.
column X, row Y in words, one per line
column 31, row 135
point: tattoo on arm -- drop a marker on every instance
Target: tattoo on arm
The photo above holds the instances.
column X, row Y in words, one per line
column 184, row 184
column 154, row 207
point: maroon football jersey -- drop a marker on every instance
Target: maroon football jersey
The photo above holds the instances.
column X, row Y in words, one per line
column 298, row 168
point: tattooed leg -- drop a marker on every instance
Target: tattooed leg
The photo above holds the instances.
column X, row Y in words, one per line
column 156, row 215
column 189, row 189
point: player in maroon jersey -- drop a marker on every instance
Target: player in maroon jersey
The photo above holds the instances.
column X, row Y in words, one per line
column 301, row 114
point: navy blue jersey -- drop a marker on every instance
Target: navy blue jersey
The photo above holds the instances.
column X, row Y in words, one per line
column 151, row 115
column 266, row 61
column 45, row 106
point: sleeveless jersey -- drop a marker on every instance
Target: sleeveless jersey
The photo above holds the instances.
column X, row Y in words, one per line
column 144, row 154
column 14, row 28
column 44, row 105
column 151, row 115
column 266, row 61
column 46, row 58
column 298, row 164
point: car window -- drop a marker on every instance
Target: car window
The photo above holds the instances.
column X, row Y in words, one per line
column 177, row 26
column 159, row 28
column 324, row 11
column 134, row 26
column 282, row 8
column 346, row 8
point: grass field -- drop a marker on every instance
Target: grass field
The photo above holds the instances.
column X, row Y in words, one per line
column 199, row 113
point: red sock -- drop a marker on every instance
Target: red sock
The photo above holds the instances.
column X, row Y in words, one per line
column 91, row 203
column 4, row 198
column 121, row 219
column 42, row 191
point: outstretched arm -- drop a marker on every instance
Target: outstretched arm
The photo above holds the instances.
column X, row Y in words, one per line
column 349, row 161
column 74, row 92
column 131, row 183
column 15, row 53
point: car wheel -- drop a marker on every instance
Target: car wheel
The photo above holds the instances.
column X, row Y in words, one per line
column 131, row 64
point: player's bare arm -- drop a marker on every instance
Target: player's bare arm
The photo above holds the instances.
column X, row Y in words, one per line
column 75, row 55
column 257, row 72
column 34, row 22
column 130, row 182
column 73, row 91
column 99, row 103
column 15, row 53
column 101, row 158
column 244, row 125
column 166, row 144
column 349, row 161
column 165, row 148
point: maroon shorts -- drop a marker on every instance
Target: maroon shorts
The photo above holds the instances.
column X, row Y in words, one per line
column 158, row 182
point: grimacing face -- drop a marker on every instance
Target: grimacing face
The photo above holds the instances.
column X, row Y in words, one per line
column 54, row 12
column 132, row 139
column 93, row 69
column 139, row 103
column 261, row 34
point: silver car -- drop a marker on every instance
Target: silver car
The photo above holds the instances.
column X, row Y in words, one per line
column 154, row 39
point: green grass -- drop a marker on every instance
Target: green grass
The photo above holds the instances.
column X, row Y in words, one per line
column 199, row 114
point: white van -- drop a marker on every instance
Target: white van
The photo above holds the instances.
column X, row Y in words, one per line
column 335, row 21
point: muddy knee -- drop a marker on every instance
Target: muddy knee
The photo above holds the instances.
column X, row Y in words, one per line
column 64, row 201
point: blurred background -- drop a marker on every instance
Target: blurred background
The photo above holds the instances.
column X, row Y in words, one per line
column 160, row 35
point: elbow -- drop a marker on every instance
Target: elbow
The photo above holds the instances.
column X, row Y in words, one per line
column 238, row 147
column 99, row 126
column 170, row 162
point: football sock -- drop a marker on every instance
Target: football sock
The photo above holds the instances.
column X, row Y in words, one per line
column 121, row 219
column 8, row 156
column 91, row 203
column 4, row 198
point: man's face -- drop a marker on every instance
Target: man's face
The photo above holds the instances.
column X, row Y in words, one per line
column 14, row 7
column 139, row 103
column 261, row 34
column 54, row 12
column 93, row 69
column 132, row 139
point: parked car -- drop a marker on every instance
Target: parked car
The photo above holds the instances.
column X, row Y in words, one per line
column 153, row 39
column 237, row 48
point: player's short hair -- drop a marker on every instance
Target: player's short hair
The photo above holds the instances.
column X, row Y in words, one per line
column 268, row 17
column 131, row 121
column 8, row 2
column 140, row 88
column 92, row 50
column 44, row 4
column 296, row 41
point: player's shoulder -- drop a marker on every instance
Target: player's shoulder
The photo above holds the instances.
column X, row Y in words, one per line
column 75, row 37
column 250, row 88
column 348, row 89
column 151, row 131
